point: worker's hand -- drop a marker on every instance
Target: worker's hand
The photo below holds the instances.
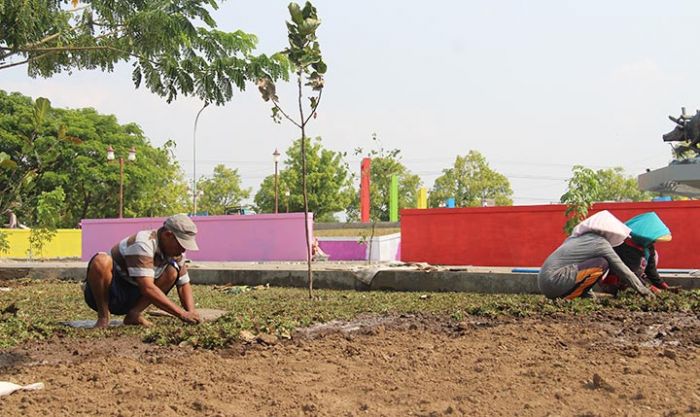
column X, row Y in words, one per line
column 664, row 286
column 646, row 292
column 191, row 317
column 674, row 289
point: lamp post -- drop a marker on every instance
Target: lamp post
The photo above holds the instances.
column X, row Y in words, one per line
column 131, row 157
column 276, row 158
column 194, row 160
column 286, row 194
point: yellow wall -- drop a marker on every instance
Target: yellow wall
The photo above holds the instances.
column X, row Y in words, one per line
column 66, row 244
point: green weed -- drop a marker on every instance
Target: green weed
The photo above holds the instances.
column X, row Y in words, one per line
column 41, row 306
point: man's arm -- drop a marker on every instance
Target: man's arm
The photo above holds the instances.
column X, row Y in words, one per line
column 154, row 295
column 186, row 297
column 184, row 289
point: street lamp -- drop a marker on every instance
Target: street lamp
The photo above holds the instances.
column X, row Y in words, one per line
column 131, row 157
column 194, row 161
column 276, row 158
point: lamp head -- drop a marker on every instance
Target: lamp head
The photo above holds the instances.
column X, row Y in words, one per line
column 132, row 154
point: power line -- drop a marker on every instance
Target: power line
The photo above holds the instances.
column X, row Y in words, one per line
column 351, row 162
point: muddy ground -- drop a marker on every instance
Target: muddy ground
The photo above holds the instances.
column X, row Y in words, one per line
column 609, row 364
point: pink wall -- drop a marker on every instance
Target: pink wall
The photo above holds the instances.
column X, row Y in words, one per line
column 259, row 237
column 526, row 235
column 344, row 250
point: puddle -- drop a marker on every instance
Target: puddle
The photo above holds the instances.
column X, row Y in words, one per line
column 88, row 324
column 363, row 324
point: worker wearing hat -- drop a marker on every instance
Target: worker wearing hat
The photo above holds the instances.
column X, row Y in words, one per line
column 140, row 270
column 639, row 253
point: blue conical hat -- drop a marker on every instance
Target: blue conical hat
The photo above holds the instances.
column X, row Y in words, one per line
column 647, row 228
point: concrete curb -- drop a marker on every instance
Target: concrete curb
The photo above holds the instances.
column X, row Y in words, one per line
column 456, row 281
column 487, row 282
column 338, row 280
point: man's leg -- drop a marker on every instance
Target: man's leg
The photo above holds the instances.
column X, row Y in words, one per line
column 99, row 278
column 165, row 283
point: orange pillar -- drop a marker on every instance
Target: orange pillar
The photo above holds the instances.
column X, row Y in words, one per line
column 364, row 189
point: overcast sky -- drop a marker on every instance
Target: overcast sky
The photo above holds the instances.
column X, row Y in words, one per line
column 535, row 86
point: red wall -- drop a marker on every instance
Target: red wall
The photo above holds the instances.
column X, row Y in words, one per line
column 526, row 235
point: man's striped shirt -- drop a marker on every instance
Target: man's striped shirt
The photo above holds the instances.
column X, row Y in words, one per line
column 139, row 256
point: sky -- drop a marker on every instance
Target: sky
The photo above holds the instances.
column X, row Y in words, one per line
column 535, row 86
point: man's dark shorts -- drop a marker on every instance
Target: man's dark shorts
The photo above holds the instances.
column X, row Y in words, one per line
column 122, row 294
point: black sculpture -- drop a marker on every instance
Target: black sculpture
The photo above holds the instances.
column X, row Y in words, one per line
column 687, row 131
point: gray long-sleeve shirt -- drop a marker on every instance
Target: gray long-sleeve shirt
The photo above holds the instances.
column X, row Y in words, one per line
column 558, row 274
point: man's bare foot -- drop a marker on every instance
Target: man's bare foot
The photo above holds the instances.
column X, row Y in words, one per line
column 136, row 320
column 102, row 323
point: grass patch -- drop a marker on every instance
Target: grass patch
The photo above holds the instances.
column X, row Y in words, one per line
column 43, row 305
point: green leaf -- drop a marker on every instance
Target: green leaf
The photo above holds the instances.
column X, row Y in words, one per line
column 309, row 26
column 6, row 161
column 295, row 12
column 276, row 116
column 136, row 76
column 61, row 132
column 309, row 10
column 320, row 67
column 41, row 107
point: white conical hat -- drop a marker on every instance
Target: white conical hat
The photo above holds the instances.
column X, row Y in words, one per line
column 604, row 224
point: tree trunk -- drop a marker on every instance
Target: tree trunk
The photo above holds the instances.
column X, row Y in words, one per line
column 309, row 271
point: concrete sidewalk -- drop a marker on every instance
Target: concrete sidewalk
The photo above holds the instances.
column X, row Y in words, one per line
column 332, row 275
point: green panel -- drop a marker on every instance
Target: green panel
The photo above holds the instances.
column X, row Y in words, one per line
column 394, row 199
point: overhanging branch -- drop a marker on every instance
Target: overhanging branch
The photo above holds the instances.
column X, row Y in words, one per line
column 285, row 114
column 313, row 109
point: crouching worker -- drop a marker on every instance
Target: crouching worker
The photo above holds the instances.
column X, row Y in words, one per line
column 586, row 257
column 140, row 271
column 638, row 252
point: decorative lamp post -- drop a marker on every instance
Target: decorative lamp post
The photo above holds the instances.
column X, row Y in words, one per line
column 131, row 157
column 276, row 158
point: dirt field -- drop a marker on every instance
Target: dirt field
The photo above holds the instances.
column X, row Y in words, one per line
column 610, row 364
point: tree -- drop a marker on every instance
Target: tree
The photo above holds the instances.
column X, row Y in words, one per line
column 587, row 186
column 470, row 182
column 47, row 148
column 221, row 191
column 49, row 210
column 26, row 150
column 4, row 243
column 174, row 44
column 385, row 164
column 329, row 182
column 304, row 54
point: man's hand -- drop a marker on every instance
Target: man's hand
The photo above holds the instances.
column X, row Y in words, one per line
column 191, row 317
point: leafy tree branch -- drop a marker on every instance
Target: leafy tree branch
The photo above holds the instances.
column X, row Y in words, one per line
column 174, row 44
